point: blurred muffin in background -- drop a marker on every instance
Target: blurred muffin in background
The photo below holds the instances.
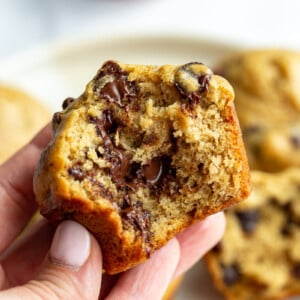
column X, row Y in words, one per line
column 21, row 116
column 266, row 84
column 258, row 257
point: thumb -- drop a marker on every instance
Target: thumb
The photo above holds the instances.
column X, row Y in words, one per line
column 73, row 268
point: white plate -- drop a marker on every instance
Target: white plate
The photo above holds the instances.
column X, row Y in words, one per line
column 56, row 72
column 53, row 73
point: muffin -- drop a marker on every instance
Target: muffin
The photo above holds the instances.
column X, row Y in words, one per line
column 142, row 154
column 266, row 84
column 21, row 116
column 258, row 257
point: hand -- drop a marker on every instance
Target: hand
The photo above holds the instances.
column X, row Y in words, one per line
column 68, row 266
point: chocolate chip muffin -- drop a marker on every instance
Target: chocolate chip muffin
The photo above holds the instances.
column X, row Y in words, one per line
column 142, row 154
column 266, row 84
column 258, row 257
column 21, row 116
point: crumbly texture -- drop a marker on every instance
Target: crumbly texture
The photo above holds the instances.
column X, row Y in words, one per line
column 21, row 116
column 142, row 154
column 258, row 257
column 266, row 84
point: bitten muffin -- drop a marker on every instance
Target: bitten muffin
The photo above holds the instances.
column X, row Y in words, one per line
column 21, row 116
column 142, row 154
column 259, row 257
column 266, row 84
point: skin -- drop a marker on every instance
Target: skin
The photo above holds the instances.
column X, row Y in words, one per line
column 28, row 272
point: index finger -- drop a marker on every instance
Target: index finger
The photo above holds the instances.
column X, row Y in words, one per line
column 16, row 192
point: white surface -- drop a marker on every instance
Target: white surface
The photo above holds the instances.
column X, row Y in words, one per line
column 53, row 73
column 25, row 24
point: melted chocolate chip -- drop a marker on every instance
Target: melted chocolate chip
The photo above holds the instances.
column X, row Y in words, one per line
column 119, row 90
column 124, row 172
column 231, row 274
column 153, row 171
column 192, row 81
column 135, row 215
column 109, row 68
column 112, row 84
column 77, row 173
column 56, row 119
column 67, row 102
column 248, row 220
column 118, row 157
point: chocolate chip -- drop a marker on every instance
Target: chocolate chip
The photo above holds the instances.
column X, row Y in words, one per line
column 200, row 167
column 192, row 81
column 57, row 117
column 248, row 219
column 67, row 102
column 253, row 129
column 112, row 84
column 135, row 215
column 295, row 140
column 117, row 156
column 77, row 173
column 153, row 171
column 231, row 274
column 109, row 68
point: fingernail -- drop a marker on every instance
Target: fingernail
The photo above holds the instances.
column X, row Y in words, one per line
column 70, row 246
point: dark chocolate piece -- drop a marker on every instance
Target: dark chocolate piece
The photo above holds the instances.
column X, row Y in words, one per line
column 192, row 84
column 113, row 85
column 77, row 173
column 67, row 102
column 56, row 119
column 231, row 274
column 248, row 219
column 134, row 214
column 124, row 172
column 153, row 171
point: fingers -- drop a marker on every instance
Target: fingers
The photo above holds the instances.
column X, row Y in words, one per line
column 72, row 269
column 16, row 195
column 23, row 260
column 149, row 280
column 198, row 239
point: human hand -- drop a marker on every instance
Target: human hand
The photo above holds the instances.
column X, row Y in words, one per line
column 66, row 262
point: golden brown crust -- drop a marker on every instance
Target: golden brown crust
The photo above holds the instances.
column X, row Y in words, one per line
column 145, row 152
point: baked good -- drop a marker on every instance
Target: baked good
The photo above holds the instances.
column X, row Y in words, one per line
column 142, row 154
column 21, row 116
column 266, row 84
column 173, row 288
column 259, row 257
